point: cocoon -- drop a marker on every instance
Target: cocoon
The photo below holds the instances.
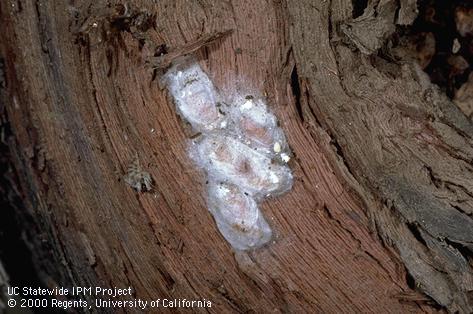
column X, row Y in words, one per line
column 194, row 95
column 241, row 148
column 237, row 216
column 252, row 121
column 227, row 159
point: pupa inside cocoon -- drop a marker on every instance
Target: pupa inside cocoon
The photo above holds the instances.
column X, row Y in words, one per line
column 194, row 94
column 237, row 216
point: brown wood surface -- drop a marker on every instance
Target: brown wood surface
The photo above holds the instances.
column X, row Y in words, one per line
column 381, row 159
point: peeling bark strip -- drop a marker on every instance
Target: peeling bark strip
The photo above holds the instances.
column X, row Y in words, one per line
column 164, row 61
column 373, row 141
column 388, row 143
column 369, row 31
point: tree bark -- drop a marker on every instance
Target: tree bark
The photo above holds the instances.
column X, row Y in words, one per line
column 382, row 160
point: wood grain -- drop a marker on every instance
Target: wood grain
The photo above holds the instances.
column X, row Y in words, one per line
column 83, row 103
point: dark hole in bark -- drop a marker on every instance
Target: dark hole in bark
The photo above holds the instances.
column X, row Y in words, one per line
column 466, row 252
column 410, row 281
column 416, row 233
column 296, row 91
column 359, row 7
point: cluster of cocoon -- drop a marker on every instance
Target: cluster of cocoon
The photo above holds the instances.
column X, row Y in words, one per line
column 241, row 148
